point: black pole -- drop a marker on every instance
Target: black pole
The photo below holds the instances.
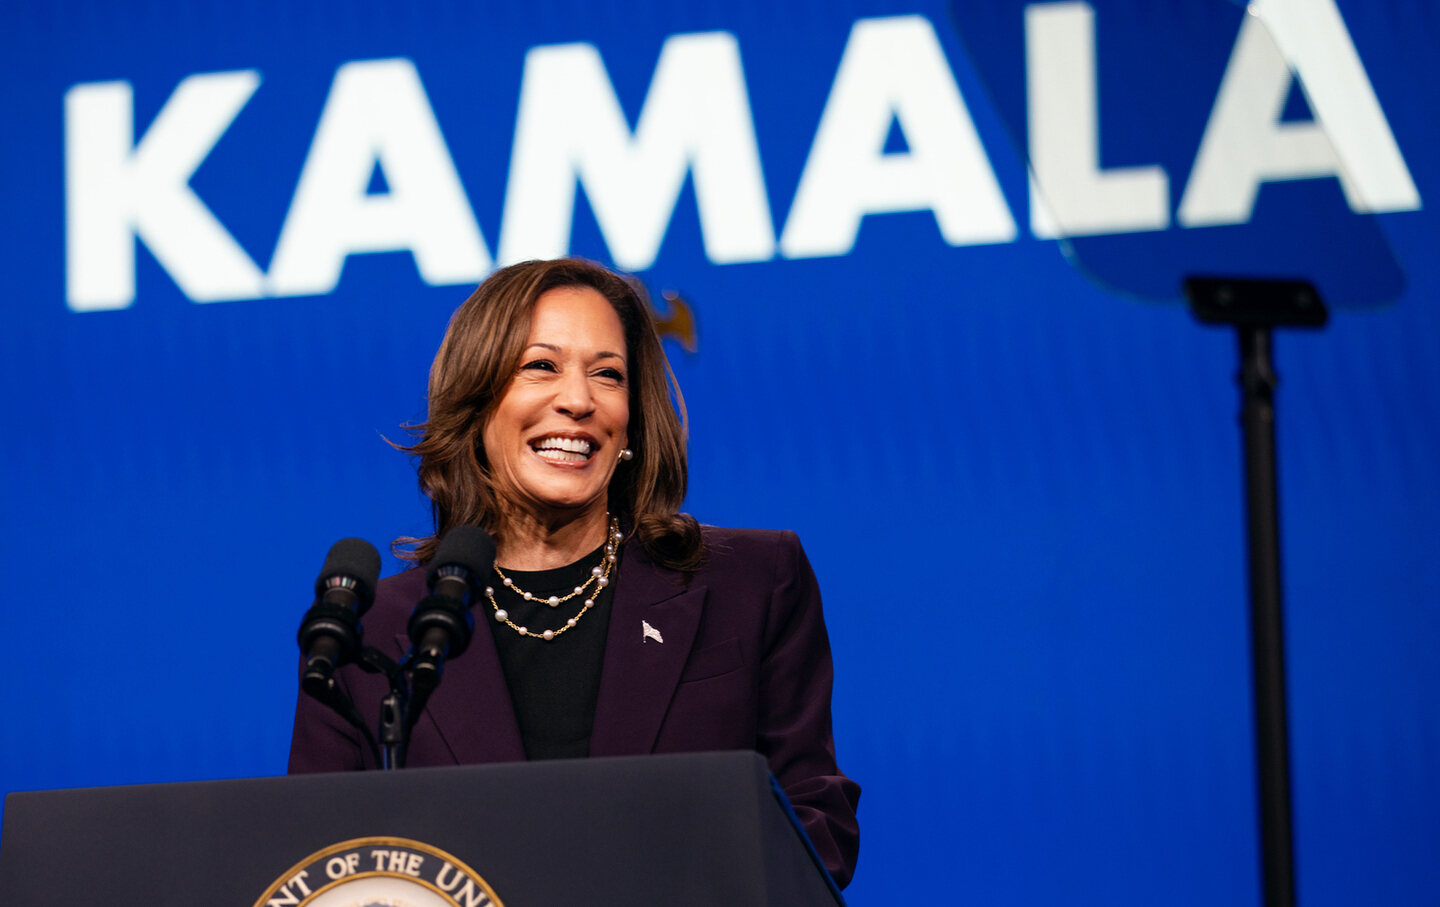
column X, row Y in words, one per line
column 1267, row 639
column 394, row 731
column 1254, row 308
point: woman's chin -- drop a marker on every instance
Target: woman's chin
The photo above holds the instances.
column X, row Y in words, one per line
column 563, row 501
column 562, row 488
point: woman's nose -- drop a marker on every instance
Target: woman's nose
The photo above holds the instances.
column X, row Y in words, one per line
column 573, row 396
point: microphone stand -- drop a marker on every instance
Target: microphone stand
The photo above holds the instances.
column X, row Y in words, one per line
column 394, row 726
column 400, row 708
column 1254, row 308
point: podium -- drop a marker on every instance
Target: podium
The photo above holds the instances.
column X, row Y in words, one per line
column 703, row 829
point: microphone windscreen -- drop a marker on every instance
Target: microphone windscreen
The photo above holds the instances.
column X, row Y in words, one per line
column 469, row 547
column 356, row 559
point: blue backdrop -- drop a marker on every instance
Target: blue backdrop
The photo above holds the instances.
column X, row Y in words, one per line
column 234, row 234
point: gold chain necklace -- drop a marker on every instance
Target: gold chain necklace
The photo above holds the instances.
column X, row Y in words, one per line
column 599, row 575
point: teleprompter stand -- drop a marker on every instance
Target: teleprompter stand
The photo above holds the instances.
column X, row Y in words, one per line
column 703, row 830
column 1254, row 308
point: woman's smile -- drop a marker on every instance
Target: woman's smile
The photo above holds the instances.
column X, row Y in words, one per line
column 569, row 450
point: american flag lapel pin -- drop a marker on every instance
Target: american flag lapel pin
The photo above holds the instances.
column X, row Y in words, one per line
column 649, row 632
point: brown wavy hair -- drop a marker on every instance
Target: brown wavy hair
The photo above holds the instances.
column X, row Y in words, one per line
column 480, row 354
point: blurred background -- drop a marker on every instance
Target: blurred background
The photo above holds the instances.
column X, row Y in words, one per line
column 234, row 234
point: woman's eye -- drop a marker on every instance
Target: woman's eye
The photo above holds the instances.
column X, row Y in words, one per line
column 539, row 364
column 612, row 375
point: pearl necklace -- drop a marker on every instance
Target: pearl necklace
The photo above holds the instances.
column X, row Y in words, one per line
column 599, row 575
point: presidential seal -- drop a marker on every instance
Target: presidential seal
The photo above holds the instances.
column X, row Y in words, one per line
column 380, row 872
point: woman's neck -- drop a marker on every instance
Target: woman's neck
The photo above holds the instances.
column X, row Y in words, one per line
column 528, row 543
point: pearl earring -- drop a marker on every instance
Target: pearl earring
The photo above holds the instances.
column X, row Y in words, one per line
column 627, row 454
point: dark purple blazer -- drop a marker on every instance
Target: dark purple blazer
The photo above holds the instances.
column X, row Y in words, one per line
column 745, row 664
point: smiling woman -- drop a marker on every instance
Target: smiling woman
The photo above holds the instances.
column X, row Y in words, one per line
column 547, row 351
column 618, row 625
column 559, row 432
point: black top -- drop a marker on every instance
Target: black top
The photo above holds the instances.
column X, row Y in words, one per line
column 552, row 684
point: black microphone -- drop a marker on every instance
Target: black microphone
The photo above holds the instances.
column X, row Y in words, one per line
column 330, row 633
column 442, row 624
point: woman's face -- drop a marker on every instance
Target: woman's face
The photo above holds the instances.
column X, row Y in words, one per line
column 555, row 438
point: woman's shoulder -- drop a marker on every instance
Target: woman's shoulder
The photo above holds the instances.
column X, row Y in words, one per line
column 725, row 537
column 765, row 567
column 750, row 548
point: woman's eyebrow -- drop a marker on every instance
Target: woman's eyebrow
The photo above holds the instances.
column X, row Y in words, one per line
column 603, row 354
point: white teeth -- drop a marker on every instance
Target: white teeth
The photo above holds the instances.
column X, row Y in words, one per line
column 573, row 445
column 568, row 450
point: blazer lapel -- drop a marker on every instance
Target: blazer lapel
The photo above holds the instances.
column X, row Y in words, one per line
column 471, row 708
column 640, row 673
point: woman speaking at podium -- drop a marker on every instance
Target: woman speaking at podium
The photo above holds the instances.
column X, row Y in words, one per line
column 616, row 625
